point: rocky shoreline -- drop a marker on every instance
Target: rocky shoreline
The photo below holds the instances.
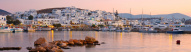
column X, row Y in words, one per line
column 41, row 45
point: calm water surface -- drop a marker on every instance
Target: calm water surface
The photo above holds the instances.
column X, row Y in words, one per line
column 115, row 41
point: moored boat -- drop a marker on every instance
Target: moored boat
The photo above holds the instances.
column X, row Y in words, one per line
column 126, row 29
column 147, row 30
column 6, row 30
column 118, row 29
column 175, row 31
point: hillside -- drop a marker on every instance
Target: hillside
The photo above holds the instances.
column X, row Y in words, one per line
column 3, row 12
column 49, row 10
column 175, row 15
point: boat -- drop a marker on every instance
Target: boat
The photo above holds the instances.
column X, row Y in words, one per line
column 97, row 29
column 105, row 29
column 127, row 29
column 6, row 30
column 29, row 29
column 118, row 29
column 18, row 29
column 147, row 30
column 175, row 31
column 68, row 29
column 112, row 29
column 64, row 29
column 45, row 29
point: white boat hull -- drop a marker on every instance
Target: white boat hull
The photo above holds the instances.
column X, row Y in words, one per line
column 45, row 29
column 147, row 31
column 5, row 31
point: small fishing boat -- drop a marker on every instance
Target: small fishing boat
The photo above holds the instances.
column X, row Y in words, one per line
column 6, row 30
column 29, row 29
column 43, row 29
column 175, row 31
column 147, row 30
column 118, row 29
column 105, row 29
column 127, row 29
column 18, row 29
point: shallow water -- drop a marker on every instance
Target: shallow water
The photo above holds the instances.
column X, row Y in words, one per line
column 115, row 41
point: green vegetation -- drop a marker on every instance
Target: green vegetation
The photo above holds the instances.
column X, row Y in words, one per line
column 93, row 25
column 9, row 19
column 57, row 25
column 89, row 14
column 16, row 22
column 116, row 13
column 30, row 17
column 101, row 26
column 22, row 15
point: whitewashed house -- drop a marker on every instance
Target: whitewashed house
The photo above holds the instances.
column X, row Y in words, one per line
column 3, row 20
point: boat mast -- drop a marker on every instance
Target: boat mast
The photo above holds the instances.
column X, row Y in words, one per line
column 130, row 13
column 150, row 15
column 113, row 10
column 142, row 17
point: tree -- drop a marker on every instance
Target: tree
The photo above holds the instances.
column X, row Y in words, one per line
column 9, row 19
column 57, row 25
column 89, row 14
column 101, row 26
column 101, row 20
column 22, row 15
column 30, row 17
column 116, row 13
column 16, row 22
column 93, row 25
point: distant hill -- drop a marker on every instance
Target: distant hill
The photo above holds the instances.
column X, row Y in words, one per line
column 3, row 12
column 175, row 15
column 49, row 10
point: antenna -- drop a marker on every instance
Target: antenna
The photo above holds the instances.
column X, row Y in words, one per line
column 150, row 15
column 130, row 13
column 113, row 11
column 142, row 15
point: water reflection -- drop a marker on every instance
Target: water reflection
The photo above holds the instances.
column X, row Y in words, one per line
column 115, row 41
column 52, row 35
column 70, row 34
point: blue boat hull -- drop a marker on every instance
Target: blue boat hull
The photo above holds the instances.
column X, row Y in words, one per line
column 175, row 32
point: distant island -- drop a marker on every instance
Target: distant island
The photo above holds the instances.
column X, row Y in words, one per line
column 169, row 16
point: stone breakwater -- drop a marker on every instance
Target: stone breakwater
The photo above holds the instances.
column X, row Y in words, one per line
column 41, row 45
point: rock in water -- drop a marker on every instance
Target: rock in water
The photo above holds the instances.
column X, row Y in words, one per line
column 90, row 39
column 40, row 41
column 41, row 49
column 29, row 48
column 56, row 50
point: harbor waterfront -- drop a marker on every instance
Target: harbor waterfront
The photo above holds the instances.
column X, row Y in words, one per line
column 114, row 41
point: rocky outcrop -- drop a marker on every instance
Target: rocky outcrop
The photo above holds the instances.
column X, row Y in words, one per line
column 56, row 46
column 40, row 41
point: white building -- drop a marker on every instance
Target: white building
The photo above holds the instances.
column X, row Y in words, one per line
column 91, row 22
column 133, row 22
column 26, row 22
column 3, row 20
column 48, row 21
